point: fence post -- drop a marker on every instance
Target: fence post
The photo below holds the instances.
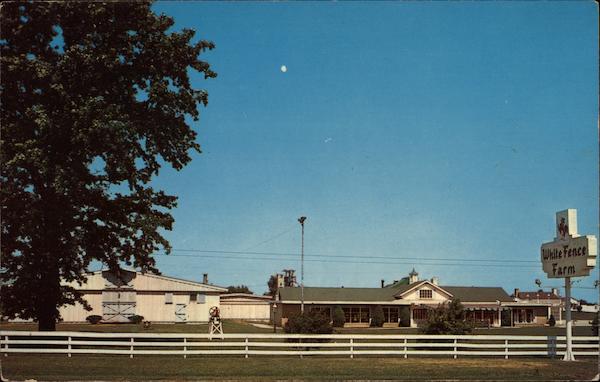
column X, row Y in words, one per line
column 351, row 347
column 69, row 342
column 246, row 355
column 6, row 346
column 131, row 349
column 505, row 349
column 184, row 347
column 405, row 348
column 455, row 354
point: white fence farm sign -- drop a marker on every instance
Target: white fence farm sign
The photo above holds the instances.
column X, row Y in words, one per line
column 569, row 255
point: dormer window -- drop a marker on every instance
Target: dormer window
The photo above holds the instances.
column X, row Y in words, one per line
column 426, row 293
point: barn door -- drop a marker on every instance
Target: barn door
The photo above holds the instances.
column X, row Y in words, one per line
column 118, row 306
column 180, row 313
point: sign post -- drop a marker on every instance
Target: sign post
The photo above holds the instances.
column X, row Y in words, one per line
column 569, row 255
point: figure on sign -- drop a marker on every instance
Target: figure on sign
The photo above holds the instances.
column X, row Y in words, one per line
column 215, row 325
column 563, row 228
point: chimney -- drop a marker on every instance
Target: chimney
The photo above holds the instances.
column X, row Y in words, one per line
column 516, row 292
column 382, row 283
column 205, row 278
column 435, row 280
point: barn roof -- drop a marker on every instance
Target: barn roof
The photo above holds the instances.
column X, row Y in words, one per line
column 103, row 279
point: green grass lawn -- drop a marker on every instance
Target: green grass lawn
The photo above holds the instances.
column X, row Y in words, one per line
column 229, row 326
column 48, row 367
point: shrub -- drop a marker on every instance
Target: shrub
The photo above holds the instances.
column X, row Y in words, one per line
column 93, row 319
column 448, row 319
column 551, row 320
column 338, row 317
column 404, row 316
column 136, row 319
column 377, row 317
column 309, row 323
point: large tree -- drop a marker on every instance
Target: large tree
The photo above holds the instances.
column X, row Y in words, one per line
column 95, row 98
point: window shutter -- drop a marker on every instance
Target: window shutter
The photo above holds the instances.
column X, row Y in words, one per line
column 201, row 299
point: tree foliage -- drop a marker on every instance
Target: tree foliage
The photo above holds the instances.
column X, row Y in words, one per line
column 313, row 322
column 377, row 317
column 448, row 318
column 239, row 289
column 272, row 284
column 95, row 98
column 339, row 319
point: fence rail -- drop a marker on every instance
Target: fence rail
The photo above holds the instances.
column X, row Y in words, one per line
column 349, row 345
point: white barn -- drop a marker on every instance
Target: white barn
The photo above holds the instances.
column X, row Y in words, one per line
column 156, row 298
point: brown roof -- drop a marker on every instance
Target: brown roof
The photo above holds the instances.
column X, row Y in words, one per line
column 537, row 295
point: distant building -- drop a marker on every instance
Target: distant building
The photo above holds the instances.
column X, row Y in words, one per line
column 535, row 308
column 244, row 306
column 157, row 298
column 405, row 302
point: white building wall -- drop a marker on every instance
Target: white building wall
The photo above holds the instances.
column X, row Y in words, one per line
column 77, row 313
column 258, row 312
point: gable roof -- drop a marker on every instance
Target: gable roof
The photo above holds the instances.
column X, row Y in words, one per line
column 418, row 284
column 145, row 282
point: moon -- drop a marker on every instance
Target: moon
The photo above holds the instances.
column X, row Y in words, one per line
column 283, row 68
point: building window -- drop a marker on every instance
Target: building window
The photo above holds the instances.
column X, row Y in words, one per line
column 391, row 314
column 426, row 293
column 420, row 314
column 168, row 298
column 193, row 297
column 356, row 314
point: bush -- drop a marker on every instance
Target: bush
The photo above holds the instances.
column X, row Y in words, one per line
column 93, row 319
column 338, row 317
column 404, row 316
column 552, row 320
column 377, row 317
column 135, row 319
column 448, row 319
column 309, row 323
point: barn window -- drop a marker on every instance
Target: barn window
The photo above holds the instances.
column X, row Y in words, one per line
column 168, row 298
column 201, row 299
column 426, row 293
column 193, row 297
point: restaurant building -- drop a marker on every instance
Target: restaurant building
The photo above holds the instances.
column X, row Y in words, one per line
column 406, row 302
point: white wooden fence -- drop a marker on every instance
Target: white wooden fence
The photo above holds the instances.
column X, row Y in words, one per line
column 349, row 345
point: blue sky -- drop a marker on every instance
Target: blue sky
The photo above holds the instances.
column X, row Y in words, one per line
column 402, row 130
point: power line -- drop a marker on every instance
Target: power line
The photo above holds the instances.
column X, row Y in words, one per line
column 349, row 261
column 268, row 240
column 352, row 256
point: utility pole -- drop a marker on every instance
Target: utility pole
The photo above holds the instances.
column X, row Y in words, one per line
column 301, row 220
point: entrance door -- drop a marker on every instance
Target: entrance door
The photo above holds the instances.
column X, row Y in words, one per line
column 118, row 306
column 180, row 313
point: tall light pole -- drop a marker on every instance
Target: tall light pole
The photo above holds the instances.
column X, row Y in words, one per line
column 301, row 220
